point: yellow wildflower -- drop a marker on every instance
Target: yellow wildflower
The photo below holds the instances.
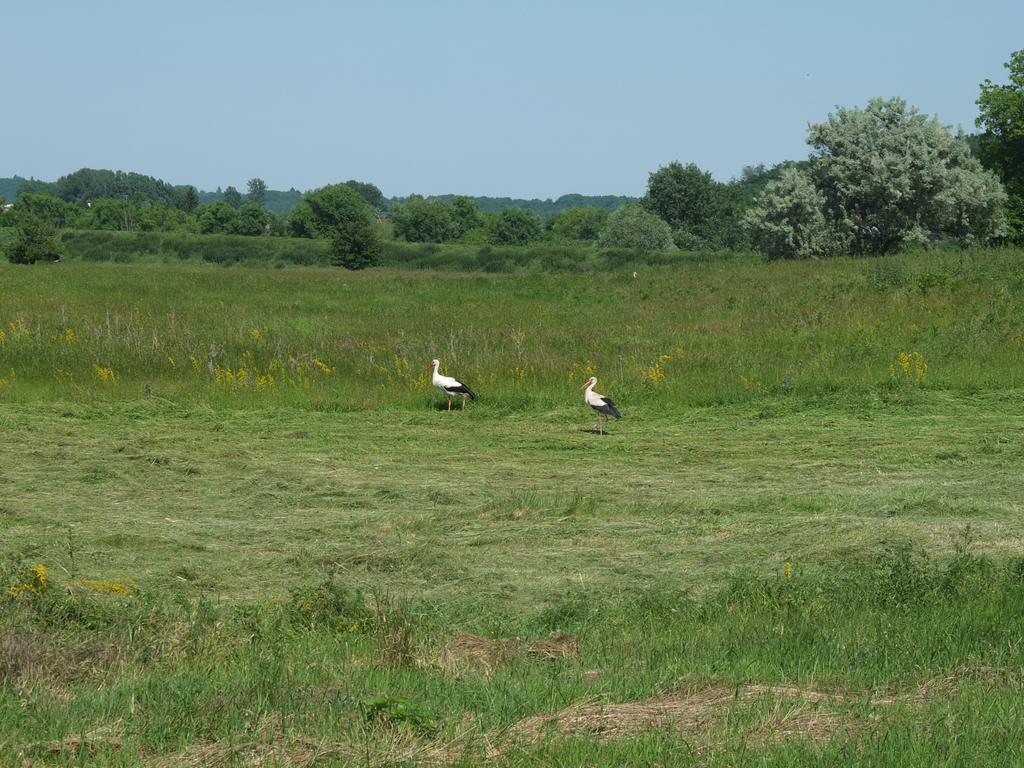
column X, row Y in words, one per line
column 37, row 582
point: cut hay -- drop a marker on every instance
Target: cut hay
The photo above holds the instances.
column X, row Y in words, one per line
column 488, row 653
column 302, row 752
column 691, row 714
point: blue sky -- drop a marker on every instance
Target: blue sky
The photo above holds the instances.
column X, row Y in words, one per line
column 526, row 99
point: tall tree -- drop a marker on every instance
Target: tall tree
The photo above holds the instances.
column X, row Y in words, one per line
column 188, row 198
column 684, row 196
column 233, row 197
column 577, row 223
column 893, row 178
column 424, row 221
column 257, row 191
column 788, row 220
column 516, row 226
column 370, row 193
column 342, row 215
column 1001, row 144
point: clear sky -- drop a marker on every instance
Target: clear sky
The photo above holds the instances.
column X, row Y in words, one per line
column 518, row 99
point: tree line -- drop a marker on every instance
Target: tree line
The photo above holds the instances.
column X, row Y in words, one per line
column 878, row 179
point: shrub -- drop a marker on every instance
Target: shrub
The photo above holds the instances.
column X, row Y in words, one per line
column 36, row 241
column 633, row 227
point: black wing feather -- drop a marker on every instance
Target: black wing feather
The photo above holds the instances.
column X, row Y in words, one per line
column 462, row 389
column 608, row 408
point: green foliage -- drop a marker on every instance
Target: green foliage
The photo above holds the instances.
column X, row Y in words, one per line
column 217, row 219
column 683, row 196
column 787, row 220
column 394, row 710
column 356, row 245
column 342, row 215
column 36, row 241
column 544, row 208
column 223, row 249
column 577, row 224
column 516, row 226
column 253, row 219
column 256, row 191
column 233, row 197
column 466, row 215
column 301, row 222
column 370, row 193
column 893, row 178
column 330, row 605
column 188, row 198
column 52, row 210
column 89, row 184
column 632, row 226
column 10, row 185
column 1001, row 143
column 425, row 221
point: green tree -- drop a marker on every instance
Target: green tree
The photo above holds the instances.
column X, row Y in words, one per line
column 301, row 222
column 684, row 196
column 188, row 199
column 370, row 193
column 424, row 221
column 893, row 178
column 342, row 215
column 217, row 219
column 516, row 226
column 233, row 197
column 1001, row 143
column 257, row 191
column 788, row 221
column 466, row 215
column 50, row 209
column 633, row 226
column 577, row 223
column 36, row 241
column 253, row 219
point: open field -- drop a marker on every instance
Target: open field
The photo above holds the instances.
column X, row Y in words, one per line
column 265, row 545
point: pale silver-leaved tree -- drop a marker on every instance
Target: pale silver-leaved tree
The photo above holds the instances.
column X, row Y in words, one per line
column 893, row 178
column 633, row 227
column 787, row 220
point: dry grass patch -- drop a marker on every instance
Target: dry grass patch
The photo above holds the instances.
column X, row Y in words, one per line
column 797, row 712
column 306, row 752
column 472, row 651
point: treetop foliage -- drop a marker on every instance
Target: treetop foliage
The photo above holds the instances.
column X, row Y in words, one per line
column 1001, row 143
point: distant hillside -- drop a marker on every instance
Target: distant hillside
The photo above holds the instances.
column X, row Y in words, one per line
column 86, row 184
column 543, row 208
column 9, row 187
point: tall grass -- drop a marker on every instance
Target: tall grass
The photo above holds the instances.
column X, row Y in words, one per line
column 902, row 663
column 694, row 333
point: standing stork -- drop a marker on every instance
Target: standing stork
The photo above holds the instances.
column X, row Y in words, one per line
column 451, row 387
column 603, row 406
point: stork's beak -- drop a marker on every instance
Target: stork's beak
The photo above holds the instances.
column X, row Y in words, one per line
column 428, row 366
column 586, row 384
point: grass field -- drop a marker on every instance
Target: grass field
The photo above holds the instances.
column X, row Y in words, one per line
column 265, row 543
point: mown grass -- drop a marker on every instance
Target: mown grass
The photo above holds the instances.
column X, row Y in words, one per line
column 796, row 548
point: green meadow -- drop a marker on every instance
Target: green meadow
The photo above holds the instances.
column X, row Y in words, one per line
column 239, row 528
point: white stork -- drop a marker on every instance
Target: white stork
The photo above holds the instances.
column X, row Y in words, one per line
column 451, row 387
column 601, row 404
